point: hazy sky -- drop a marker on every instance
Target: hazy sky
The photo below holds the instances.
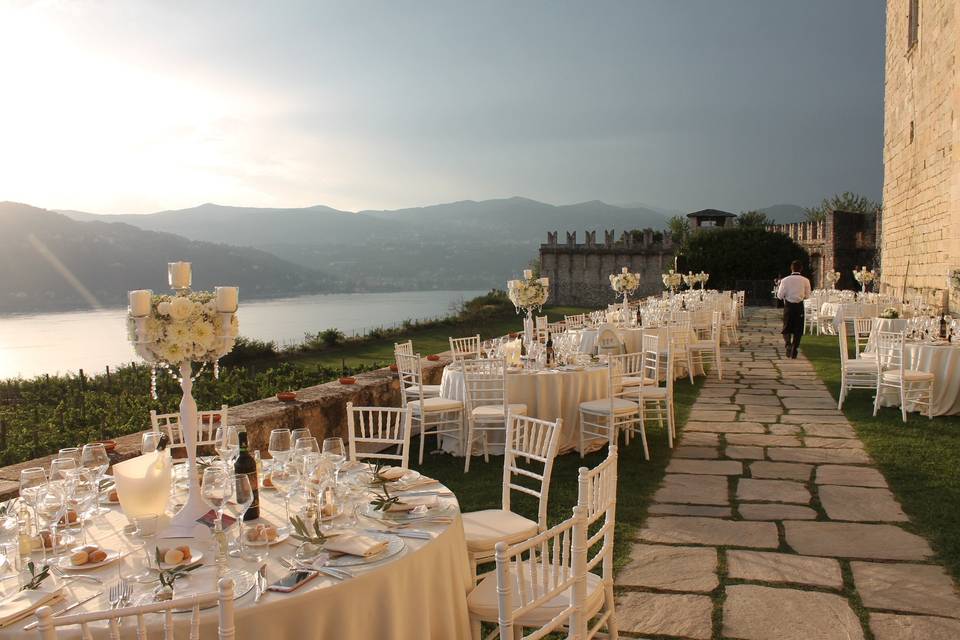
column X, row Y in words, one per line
column 122, row 106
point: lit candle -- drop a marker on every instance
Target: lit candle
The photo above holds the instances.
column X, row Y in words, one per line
column 227, row 299
column 179, row 275
column 527, row 274
column 624, row 270
column 140, row 302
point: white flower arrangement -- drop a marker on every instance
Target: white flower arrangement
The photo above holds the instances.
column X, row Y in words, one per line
column 672, row 280
column 183, row 328
column 864, row 276
column 624, row 282
column 529, row 293
column 832, row 278
column 890, row 313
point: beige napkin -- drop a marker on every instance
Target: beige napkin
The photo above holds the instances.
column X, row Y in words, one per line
column 411, row 502
column 422, row 481
column 355, row 544
column 393, row 473
column 22, row 604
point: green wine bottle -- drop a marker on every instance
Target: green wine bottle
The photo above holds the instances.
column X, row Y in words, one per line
column 247, row 466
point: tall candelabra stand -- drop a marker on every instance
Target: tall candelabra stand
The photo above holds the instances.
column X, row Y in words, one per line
column 217, row 310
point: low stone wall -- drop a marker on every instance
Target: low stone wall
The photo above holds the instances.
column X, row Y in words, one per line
column 321, row 408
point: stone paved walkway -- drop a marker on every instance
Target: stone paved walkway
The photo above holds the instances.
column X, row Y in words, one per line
column 772, row 522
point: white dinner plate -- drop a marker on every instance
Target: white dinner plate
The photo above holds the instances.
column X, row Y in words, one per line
column 394, row 546
column 283, row 533
column 407, row 478
column 441, row 509
column 64, row 562
column 195, row 556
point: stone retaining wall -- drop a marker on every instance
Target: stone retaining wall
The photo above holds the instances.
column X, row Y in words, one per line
column 321, row 408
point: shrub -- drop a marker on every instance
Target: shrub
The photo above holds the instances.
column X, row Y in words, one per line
column 246, row 349
column 741, row 253
column 331, row 337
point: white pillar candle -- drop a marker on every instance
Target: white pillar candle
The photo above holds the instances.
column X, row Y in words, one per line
column 227, row 298
column 624, row 270
column 140, row 302
column 527, row 274
column 545, row 282
column 513, row 284
column 179, row 275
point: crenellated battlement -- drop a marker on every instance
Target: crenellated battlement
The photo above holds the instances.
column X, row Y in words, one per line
column 649, row 240
column 802, row 232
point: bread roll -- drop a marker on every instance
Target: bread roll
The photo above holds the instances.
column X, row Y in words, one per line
column 79, row 558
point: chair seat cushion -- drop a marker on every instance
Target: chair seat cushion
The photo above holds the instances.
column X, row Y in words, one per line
column 602, row 407
column 435, row 404
column 654, row 393
column 872, row 357
column 496, row 410
column 482, row 601
column 636, row 381
column 910, row 375
column 429, row 390
column 700, row 345
column 484, row 529
column 860, row 365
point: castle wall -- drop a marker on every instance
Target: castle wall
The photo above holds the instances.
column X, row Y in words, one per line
column 921, row 187
column 580, row 273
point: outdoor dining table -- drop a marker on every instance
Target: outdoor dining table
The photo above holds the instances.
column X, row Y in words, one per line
column 549, row 394
column 419, row 593
column 943, row 360
column 632, row 338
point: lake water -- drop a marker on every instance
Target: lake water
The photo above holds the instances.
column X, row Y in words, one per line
column 90, row 340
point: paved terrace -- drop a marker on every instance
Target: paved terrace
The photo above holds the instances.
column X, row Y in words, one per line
column 772, row 521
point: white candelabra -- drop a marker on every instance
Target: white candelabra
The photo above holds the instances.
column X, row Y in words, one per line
column 528, row 294
column 173, row 332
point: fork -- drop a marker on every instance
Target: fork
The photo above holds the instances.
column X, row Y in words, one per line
column 115, row 595
column 57, row 571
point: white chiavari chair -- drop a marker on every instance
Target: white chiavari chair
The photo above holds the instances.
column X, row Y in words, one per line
column 406, row 348
column 48, row 623
column 597, row 494
column 373, row 432
column 597, row 317
column 541, row 328
column 465, row 348
column 575, row 321
column 680, row 339
column 488, row 408
column 862, row 328
column 410, row 390
column 699, row 349
column 433, row 415
column 729, row 322
column 914, row 387
column 540, row 584
column 604, row 418
column 208, row 421
column 608, row 342
column 656, row 401
column 854, row 373
column 528, row 455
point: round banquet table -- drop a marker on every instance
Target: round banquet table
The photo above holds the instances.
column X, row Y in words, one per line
column 419, row 593
column 548, row 394
column 633, row 343
column 941, row 360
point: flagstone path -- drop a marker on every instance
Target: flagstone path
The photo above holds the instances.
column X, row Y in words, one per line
column 772, row 522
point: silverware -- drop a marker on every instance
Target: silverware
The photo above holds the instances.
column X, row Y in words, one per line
column 57, row 571
column 332, row 572
column 115, row 595
column 33, row 625
column 405, row 533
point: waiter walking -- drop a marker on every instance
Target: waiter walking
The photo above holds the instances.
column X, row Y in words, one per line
column 793, row 290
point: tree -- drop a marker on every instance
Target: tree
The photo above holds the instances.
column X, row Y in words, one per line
column 741, row 253
column 845, row 201
column 679, row 229
column 753, row 219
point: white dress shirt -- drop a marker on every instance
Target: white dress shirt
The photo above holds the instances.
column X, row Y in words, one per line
column 794, row 288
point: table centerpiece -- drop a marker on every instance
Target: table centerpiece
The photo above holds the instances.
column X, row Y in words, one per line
column 672, row 280
column 171, row 332
column 528, row 294
column 864, row 276
column 624, row 283
column 832, row 278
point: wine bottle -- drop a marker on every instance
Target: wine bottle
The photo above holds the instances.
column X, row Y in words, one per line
column 943, row 326
column 247, row 466
column 549, row 349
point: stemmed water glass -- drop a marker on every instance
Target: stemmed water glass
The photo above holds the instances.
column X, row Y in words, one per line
column 237, row 506
column 299, row 433
column 335, row 452
column 279, row 445
column 51, row 505
column 285, row 477
column 82, row 493
column 227, row 445
column 216, row 490
column 31, row 479
column 70, row 452
column 62, row 468
column 94, row 458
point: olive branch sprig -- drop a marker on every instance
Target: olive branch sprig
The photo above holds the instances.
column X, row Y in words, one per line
column 302, row 532
column 385, row 501
column 36, row 577
column 169, row 576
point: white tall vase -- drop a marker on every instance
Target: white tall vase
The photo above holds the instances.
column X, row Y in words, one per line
column 186, row 519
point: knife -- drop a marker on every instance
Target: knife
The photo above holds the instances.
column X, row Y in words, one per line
column 33, row 625
column 261, row 582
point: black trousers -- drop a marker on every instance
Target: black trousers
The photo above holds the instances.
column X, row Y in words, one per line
column 792, row 327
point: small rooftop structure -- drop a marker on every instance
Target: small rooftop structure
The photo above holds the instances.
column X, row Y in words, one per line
column 707, row 218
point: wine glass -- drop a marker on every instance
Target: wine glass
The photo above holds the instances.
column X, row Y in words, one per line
column 62, row 468
column 336, row 453
column 51, row 505
column 70, row 452
column 94, row 457
column 149, row 441
column 285, row 477
column 82, row 494
column 279, row 446
column 300, row 433
column 31, row 479
column 238, row 505
column 228, row 445
column 216, row 490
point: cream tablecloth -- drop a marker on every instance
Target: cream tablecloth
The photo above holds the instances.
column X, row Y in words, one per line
column 944, row 362
column 633, row 342
column 548, row 395
column 418, row 594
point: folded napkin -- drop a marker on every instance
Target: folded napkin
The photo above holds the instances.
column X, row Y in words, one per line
column 23, row 603
column 408, row 503
column 355, row 544
column 422, row 481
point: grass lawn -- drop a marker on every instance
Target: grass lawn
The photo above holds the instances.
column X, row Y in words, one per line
column 425, row 341
column 920, row 459
column 481, row 488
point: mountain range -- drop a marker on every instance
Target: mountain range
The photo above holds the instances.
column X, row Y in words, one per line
column 53, row 263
